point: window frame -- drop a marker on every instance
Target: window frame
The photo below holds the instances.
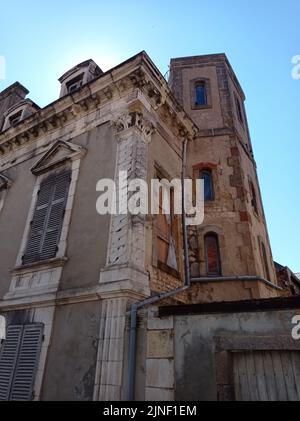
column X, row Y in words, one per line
column 193, row 93
column 214, row 235
column 239, row 110
column 173, row 230
column 67, row 172
column 208, row 171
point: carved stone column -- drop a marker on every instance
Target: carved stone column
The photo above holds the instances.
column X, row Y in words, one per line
column 126, row 250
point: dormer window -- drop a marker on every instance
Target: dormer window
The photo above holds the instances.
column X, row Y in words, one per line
column 78, row 76
column 15, row 119
column 75, row 84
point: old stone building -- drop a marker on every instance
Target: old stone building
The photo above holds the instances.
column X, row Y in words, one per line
column 73, row 282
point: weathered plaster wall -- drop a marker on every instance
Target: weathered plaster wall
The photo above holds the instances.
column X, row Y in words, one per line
column 89, row 231
column 71, row 362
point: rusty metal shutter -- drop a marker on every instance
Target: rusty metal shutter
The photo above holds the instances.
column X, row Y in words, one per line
column 19, row 361
column 8, row 359
column 48, row 218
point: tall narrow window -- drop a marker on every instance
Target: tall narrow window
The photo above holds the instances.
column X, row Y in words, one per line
column 253, row 197
column 47, row 220
column 206, row 176
column 201, row 94
column 165, row 226
column 265, row 260
column 239, row 110
column 212, row 255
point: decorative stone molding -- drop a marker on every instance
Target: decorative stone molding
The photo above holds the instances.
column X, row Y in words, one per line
column 5, row 182
column 60, row 152
column 97, row 94
column 135, row 119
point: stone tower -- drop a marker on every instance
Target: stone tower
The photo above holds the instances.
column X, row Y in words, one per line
column 233, row 241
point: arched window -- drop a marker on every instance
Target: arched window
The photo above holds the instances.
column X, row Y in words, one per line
column 212, row 255
column 201, row 94
column 265, row 260
column 253, row 197
column 206, row 175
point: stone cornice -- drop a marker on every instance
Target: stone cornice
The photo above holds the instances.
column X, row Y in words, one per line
column 137, row 74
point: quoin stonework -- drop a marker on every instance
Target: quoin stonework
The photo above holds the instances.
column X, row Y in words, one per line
column 73, row 283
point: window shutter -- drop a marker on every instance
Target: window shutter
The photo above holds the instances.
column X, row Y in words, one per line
column 8, row 359
column 27, row 363
column 48, row 218
column 19, row 361
column 55, row 218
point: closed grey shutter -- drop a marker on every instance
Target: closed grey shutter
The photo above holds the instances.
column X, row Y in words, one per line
column 48, row 218
column 55, row 218
column 8, row 359
column 27, row 363
column 19, row 360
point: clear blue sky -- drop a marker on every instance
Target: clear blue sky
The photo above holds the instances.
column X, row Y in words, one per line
column 42, row 39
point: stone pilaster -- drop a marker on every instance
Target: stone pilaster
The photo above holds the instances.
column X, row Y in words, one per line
column 124, row 279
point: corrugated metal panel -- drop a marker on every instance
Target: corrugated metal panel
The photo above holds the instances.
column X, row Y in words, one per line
column 19, row 361
column 267, row 376
column 8, row 359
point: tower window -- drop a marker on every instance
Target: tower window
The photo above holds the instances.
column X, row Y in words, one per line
column 206, row 176
column 239, row 110
column 212, row 255
column 201, row 94
column 253, row 197
column 265, row 260
column 75, row 84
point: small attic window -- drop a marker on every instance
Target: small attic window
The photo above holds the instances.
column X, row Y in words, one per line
column 15, row 119
column 75, row 84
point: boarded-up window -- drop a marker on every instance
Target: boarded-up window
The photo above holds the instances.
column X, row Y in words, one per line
column 48, row 218
column 212, row 254
column 166, row 234
column 19, row 359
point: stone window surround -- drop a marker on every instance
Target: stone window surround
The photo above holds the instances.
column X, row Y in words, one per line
column 17, row 110
column 44, row 276
column 193, row 85
column 5, row 183
column 202, row 232
column 209, row 166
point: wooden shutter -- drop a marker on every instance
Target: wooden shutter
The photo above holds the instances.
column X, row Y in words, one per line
column 8, row 360
column 19, row 361
column 55, row 216
column 48, row 218
column 27, row 363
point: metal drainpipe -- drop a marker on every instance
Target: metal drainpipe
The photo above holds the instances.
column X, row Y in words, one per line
column 234, row 279
column 137, row 306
